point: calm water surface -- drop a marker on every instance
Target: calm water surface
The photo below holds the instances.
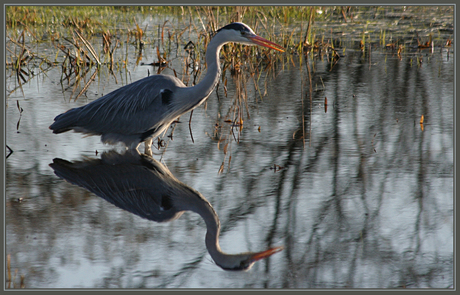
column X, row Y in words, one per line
column 361, row 197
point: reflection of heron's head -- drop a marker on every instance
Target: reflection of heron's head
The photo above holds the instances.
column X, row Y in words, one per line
column 244, row 261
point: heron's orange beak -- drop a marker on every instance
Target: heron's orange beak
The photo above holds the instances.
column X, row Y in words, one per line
column 266, row 253
column 264, row 42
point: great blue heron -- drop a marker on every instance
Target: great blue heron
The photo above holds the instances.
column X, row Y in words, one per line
column 143, row 186
column 142, row 110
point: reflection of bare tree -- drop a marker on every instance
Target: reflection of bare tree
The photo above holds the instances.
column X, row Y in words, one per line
column 347, row 238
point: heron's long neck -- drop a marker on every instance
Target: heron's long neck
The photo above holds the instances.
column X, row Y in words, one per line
column 206, row 211
column 203, row 89
column 212, row 239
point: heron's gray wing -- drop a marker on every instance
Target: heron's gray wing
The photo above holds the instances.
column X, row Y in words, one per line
column 132, row 109
column 132, row 187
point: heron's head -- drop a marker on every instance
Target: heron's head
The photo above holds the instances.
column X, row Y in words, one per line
column 244, row 261
column 243, row 34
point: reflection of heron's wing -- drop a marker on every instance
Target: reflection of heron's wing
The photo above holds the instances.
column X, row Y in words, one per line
column 129, row 186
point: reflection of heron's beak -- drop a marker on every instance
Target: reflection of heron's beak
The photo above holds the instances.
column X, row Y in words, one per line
column 265, row 254
column 264, row 42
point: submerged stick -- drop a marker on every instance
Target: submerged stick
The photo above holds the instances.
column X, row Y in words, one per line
column 190, row 126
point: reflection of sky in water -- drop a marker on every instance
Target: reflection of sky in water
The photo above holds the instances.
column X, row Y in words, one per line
column 331, row 193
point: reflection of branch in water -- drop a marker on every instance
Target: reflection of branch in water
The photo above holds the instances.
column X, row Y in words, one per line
column 21, row 110
column 190, row 126
column 10, row 151
column 310, row 95
column 353, row 225
column 143, row 186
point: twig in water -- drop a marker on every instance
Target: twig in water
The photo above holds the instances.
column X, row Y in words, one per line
column 190, row 126
column 11, row 151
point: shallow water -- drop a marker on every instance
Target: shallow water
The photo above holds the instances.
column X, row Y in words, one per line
column 362, row 196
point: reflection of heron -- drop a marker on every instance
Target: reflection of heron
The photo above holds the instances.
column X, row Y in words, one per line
column 143, row 186
column 142, row 110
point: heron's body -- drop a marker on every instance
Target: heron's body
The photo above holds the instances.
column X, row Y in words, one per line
column 130, row 118
column 140, row 111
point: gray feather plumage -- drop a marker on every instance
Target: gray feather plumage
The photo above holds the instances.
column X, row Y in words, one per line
column 124, row 114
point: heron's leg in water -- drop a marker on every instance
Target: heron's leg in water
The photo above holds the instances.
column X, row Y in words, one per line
column 148, row 146
column 133, row 151
column 134, row 146
column 148, row 152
